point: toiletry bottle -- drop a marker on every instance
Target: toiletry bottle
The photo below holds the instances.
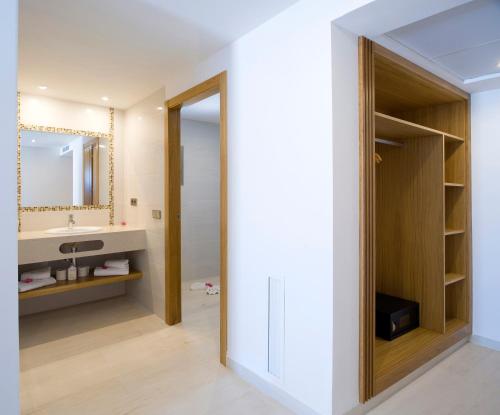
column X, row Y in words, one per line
column 72, row 270
column 61, row 274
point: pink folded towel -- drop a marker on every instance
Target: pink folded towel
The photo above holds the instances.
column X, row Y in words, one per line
column 36, row 274
column 26, row 286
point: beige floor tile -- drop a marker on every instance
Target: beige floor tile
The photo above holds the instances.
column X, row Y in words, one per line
column 114, row 357
column 466, row 383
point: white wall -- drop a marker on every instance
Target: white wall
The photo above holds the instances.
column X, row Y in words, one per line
column 345, row 220
column 9, row 346
column 143, row 179
column 52, row 112
column 45, row 111
column 200, row 200
column 47, row 177
column 485, row 216
column 281, row 189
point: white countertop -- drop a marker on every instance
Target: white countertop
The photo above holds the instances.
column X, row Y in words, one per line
column 23, row 236
column 38, row 246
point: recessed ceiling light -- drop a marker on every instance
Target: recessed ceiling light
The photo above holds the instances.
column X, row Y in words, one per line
column 498, row 65
column 42, row 87
column 33, row 141
column 105, row 98
column 159, row 108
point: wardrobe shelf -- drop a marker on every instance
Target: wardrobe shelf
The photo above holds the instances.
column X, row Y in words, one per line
column 65, row 286
column 394, row 128
column 450, row 184
column 453, row 324
column 449, row 232
column 451, row 278
column 450, row 138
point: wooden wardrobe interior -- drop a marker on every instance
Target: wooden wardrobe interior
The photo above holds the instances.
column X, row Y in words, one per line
column 416, row 223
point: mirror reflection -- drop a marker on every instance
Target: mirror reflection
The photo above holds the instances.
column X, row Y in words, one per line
column 63, row 170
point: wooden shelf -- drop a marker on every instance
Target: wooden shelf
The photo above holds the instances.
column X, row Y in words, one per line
column 397, row 358
column 450, row 184
column 448, row 232
column 394, row 128
column 450, row 138
column 454, row 324
column 451, row 278
column 65, row 286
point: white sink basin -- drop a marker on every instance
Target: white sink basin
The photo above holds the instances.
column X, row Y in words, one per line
column 75, row 230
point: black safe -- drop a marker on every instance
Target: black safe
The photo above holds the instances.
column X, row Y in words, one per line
column 394, row 316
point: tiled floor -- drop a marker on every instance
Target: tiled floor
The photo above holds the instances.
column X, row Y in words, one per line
column 466, row 383
column 114, row 357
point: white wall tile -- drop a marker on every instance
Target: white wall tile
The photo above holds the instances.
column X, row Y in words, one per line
column 143, row 179
column 200, row 207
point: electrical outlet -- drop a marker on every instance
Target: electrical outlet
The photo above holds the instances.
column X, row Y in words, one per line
column 156, row 214
column 133, row 201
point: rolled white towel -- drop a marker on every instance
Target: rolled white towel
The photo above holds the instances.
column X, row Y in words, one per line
column 109, row 271
column 26, row 286
column 116, row 263
column 36, row 274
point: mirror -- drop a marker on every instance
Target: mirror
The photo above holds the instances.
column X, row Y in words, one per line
column 63, row 169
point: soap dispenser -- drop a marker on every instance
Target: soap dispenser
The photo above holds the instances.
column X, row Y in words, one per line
column 72, row 270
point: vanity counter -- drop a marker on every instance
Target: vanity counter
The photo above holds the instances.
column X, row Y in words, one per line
column 22, row 236
column 38, row 246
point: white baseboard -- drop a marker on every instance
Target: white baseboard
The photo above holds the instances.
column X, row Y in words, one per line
column 485, row 342
column 279, row 395
column 271, row 390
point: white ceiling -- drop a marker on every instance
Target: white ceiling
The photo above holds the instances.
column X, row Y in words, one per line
column 206, row 110
column 465, row 40
column 455, row 39
column 125, row 49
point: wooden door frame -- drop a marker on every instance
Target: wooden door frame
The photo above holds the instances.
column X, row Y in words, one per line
column 173, row 310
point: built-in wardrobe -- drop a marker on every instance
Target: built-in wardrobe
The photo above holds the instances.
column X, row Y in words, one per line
column 415, row 212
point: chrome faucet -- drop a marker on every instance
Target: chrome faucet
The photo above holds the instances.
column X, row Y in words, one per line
column 71, row 221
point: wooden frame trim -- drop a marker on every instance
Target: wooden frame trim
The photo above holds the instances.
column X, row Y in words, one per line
column 173, row 312
column 367, row 217
column 419, row 71
column 197, row 93
column 468, row 218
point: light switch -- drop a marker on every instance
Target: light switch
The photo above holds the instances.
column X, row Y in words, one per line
column 156, row 214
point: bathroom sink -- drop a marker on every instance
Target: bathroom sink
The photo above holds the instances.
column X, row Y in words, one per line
column 75, row 230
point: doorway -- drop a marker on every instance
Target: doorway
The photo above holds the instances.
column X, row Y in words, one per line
column 173, row 182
